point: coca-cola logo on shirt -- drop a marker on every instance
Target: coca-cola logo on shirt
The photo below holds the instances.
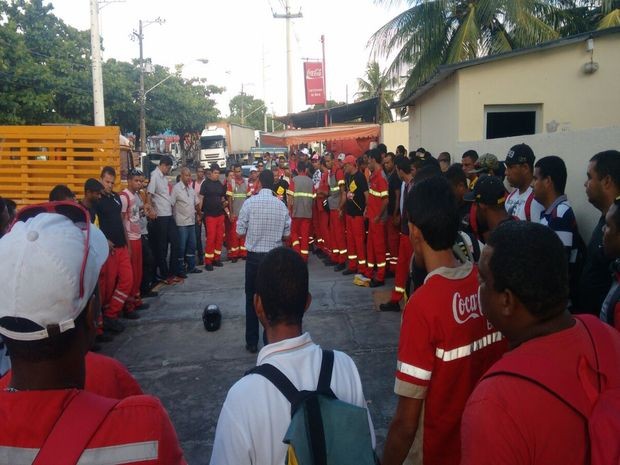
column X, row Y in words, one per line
column 314, row 73
column 465, row 308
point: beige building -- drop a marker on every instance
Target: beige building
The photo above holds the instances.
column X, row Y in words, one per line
column 561, row 97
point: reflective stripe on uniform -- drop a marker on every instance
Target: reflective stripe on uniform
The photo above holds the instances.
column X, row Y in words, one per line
column 208, row 255
column 111, row 455
column 466, row 350
column 414, row 371
column 380, row 265
column 400, row 290
column 304, row 252
column 377, row 193
column 334, row 189
column 352, row 257
column 303, row 194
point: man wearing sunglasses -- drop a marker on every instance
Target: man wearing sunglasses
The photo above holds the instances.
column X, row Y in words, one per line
column 48, row 329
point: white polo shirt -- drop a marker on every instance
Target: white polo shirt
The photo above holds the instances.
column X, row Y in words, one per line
column 256, row 415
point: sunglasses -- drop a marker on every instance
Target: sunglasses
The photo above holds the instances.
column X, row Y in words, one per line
column 78, row 215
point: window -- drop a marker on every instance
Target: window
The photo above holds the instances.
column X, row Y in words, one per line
column 511, row 120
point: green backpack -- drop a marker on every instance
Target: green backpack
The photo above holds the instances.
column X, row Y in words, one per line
column 323, row 429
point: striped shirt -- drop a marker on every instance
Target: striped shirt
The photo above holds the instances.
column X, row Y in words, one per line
column 561, row 219
column 264, row 221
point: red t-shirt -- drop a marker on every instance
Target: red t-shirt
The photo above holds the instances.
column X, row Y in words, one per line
column 105, row 376
column 509, row 420
column 138, row 427
column 377, row 192
column 445, row 347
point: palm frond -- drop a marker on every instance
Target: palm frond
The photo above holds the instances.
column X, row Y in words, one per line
column 611, row 19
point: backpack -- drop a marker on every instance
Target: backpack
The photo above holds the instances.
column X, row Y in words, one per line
column 599, row 406
column 466, row 248
column 323, row 429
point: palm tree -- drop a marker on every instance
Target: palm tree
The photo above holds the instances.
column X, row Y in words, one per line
column 610, row 14
column 377, row 84
column 431, row 33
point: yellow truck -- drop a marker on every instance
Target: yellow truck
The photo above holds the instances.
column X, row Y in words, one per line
column 33, row 159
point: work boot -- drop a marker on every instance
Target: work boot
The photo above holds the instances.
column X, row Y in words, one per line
column 218, row 263
column 340, row 267
column 113, row 325
column 131, row 315
column 375, row 283
column 209, row 267
column 348, row 272
column 390, row 307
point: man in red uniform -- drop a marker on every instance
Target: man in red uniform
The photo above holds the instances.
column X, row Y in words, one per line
column 355, row 205
column 405, row 173
column 48, row 329
column 445, row 342
column 514, row 416
column 237, row 192
column 213, row 195
column 335, row 201
column 253, row 182
column 300, row 202
column 376, row 212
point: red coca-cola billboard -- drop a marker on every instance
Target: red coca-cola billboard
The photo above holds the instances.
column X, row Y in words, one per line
column 315, row 90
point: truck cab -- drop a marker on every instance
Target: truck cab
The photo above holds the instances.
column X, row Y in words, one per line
column 213, row 147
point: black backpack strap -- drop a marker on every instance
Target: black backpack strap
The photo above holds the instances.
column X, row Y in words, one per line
column 278, row 379
column 325, row 375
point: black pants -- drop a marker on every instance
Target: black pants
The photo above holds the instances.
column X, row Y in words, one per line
column 251, row 320
column 166, row 233
column 200, row 252
column 148, row 266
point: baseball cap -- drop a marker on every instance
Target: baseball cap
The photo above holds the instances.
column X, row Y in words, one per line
column 350, row 159
column 253, row 169
column 93, row 185
column 47, row 249
column 316, row 157
column 520, row 153
column 489, row 190
column 341, row 157
column 305, row 151
column 486, row 163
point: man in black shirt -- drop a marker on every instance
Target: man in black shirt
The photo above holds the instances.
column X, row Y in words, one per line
column 213, row 195
column 92, row 195
column 392, row 225
column 602, row 188
column 356, row 188
column 458, row 181
column 116, row 278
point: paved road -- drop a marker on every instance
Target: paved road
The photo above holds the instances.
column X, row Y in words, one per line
column 190, row 370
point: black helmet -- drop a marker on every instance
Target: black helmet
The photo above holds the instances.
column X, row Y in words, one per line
column 212, row 317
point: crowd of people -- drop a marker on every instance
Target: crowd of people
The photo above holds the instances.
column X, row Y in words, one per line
column 508, row 350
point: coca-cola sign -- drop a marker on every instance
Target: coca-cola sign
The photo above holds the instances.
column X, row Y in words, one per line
column 315, row 88
column 465, row 308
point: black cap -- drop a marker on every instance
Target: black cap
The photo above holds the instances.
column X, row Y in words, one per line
column 93, row 185
column 520, row 153
column 166, row 160
column 489, row 190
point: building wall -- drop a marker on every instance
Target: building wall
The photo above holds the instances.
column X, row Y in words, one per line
column 433, row 118
column 395, row 134
column 554, row 78
column 575, row 147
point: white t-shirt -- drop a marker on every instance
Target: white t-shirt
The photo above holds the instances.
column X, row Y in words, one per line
column 131, row 215
column 256, row 415
column 160, row 193
column 516, row 205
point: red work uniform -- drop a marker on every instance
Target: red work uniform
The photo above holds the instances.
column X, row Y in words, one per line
column 445, row 347
column 136, row 430
column 337, row 239
column 375, row 250
column 213, row 192
column 357, row 189
column 236, row 193
column 301, row 191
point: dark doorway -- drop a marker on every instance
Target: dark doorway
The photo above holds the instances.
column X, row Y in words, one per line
column 510, row 123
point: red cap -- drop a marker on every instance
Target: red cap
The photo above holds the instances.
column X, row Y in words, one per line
column 350, row 159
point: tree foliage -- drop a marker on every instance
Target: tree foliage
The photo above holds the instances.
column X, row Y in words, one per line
column 252, row 109
column 46, row 77
column 378, row 84
column 431, row 33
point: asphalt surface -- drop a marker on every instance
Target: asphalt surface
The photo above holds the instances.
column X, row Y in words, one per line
column 190, row 370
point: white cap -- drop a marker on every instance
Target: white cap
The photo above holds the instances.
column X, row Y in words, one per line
column 253, row 169
column 341, row 157
column 305, row 151
column 41, row 264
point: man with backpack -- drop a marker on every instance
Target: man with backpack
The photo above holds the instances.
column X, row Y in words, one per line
column 256, row 414
column 520, row 203
column 48, row 415
column 554, row 397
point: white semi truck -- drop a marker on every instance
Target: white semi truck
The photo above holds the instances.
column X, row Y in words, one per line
column 225, row 143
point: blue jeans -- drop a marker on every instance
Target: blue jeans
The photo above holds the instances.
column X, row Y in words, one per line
column 187, row 246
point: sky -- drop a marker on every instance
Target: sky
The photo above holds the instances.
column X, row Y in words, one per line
column 244, row 44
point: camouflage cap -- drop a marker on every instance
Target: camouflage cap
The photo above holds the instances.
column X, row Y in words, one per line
column 487, row 163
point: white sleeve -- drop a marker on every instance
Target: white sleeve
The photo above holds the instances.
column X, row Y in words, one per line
column 231, row 445
column 536, row 211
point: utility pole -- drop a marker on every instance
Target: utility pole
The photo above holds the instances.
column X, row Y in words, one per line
column 289, row 65
column 95, row 47
column 242, row 106
column 324, row 73
column 139, row 36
